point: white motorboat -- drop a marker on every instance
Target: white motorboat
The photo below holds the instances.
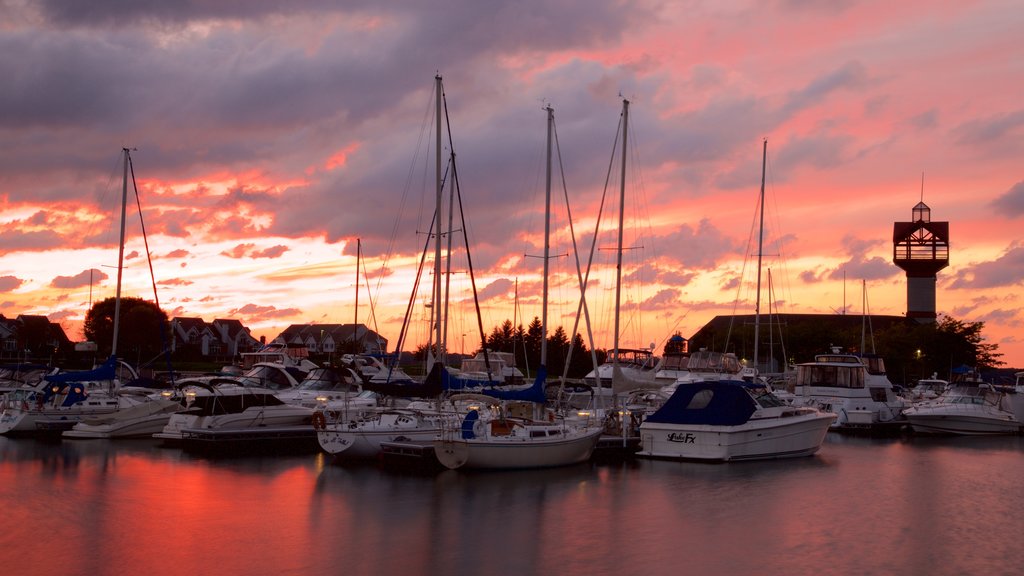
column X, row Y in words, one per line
column 491, row 366
column 726, row 420
column 231, row 413
column 140, row 419
column 855, row 388
column 324, row 386
column 926, row 389
column 965, row 408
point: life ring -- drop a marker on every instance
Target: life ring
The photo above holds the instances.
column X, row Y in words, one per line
column 319, row 421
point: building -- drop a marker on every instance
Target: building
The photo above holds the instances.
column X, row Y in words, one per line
column 333, row 338
column 221, row 339
column 790, row 338
column 31, row 336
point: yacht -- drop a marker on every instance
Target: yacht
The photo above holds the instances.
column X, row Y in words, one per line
column 229, row 413
column 491, row 366
column 854, row 388
column 323, row 386
column 926, row 389
column 969, row 407
column 727, row 420
column 146, row 415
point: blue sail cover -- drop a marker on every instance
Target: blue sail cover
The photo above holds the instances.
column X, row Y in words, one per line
column 729, row 404
column 105, row 371
column 535, row 393
column 430, row 387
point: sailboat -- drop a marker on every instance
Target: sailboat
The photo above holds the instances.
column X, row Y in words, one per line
column 60, row 400
column 515, row 433
column 347, row 435
column 729, row 418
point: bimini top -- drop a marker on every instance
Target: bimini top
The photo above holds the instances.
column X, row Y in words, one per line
column 713, row 402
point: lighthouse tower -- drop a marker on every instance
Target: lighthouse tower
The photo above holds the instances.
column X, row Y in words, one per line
column 921, row 249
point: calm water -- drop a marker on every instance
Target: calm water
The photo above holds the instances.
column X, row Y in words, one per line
column 861, row 506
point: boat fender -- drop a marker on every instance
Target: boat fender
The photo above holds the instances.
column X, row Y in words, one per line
column 319, row 420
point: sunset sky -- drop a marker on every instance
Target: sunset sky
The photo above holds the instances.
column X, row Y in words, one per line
column 265, row 141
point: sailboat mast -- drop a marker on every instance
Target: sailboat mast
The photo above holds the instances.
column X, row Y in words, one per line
column 547, row 244
column 437, row 224
column 760, row 239
column 120, row 255
column 355, row 321
column 622, row 210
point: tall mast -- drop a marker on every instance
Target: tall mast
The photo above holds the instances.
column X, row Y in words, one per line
column 547, row 244
column 622, row 210
column 437, row 225
column 760, row 238
column 355, row 321
column 120, row 255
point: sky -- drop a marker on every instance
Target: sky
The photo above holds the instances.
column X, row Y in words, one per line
column 268, row 142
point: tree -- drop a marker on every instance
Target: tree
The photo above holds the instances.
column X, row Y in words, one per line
column 143, row 332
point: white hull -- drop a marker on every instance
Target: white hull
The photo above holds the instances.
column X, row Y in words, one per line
column 362, row 445
column 362, row 439
column 497, row 453
column 757, row 439
column 140, row 421
column 20, row 421
column 948, row 422
column 855, row 411
column 257, row 417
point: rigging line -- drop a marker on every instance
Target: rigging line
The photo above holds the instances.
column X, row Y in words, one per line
column 786, row 289
column 579, row 274
column 465, row 236
column 643, row 230
column 412, row 299
column 405, row 194
column 152, row 276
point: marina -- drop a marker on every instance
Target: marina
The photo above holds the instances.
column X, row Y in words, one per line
column 910, row 505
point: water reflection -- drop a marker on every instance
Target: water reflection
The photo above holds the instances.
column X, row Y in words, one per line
column 912, row 505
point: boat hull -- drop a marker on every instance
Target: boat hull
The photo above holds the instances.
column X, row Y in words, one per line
column 516, row 453
column 962, row 424
column 794, row 436
column 364, row 445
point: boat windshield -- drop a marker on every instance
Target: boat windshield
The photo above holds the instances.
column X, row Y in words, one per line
column 707, row 361
column 323, row 379
column 765, row 398
column 267, row 377
column 830, row 376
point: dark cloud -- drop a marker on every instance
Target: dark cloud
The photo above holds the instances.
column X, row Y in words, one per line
column 852, row 74
column 13, row 240
column 84, row 278
column 258, row 313
column 179, row 253
column 1011, row 203
column 1007, row 270
column 498, row 289
column 272, row 252
column 249, row 250
column 8, row 283
column 861, row 268
column 1001, row 129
